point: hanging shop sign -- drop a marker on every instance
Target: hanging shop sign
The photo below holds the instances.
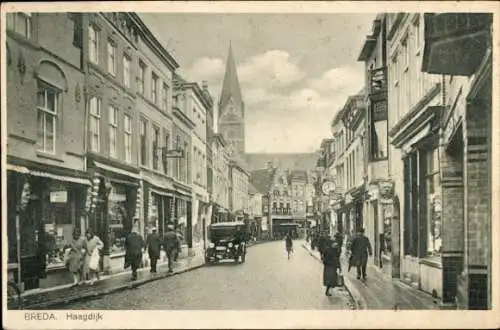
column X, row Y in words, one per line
column 59, row 196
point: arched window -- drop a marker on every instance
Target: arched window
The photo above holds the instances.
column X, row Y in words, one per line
column 50, row 85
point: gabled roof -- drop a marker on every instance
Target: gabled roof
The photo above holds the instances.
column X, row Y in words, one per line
column 231, row 85
column 263, row 179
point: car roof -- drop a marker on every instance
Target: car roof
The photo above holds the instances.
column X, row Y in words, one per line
column 227, row 224
column 288, row 224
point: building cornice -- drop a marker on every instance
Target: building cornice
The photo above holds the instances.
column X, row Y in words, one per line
column 414, row 112
column 182, row 117
column 155, row 45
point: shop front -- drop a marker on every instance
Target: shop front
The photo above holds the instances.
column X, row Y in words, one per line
column 45, row 204
column 182, row 214
column 353, row 220
column 158, row 206
column 114, row 212
column 200, row 219
column 379, row 221
column 421, row 217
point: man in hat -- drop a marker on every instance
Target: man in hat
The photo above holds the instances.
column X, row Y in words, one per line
column 360, row 249
column 133, row 251
column 170, row 245
column 153, row 244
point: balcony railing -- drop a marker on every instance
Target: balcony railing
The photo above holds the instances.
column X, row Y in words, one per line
column 281, row 212
column 378, row 81
column 455, row 43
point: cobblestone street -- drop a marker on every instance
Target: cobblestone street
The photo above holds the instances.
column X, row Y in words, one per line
column 267, row 280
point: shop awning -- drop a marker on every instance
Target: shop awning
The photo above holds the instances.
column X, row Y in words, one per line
column 61, row 177
column 116, row 170
column 18, row 169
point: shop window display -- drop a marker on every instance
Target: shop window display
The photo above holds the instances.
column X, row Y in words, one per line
column 433, row 186
column 117, row 217
column 59, row 215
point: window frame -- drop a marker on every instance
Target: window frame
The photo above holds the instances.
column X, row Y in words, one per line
column 28, row 23
column 165, row 91
column 166, row 141
column 141, row 78
column 127, row 73
column 143, row 142
column 127, row 133
column 111, row 51
column 155, row 146
column 154, row 87
column 94, row 51
column 53, row 113
column 97, row 117
column 113, row 130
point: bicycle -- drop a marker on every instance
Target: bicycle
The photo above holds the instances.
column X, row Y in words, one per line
column 14, row 299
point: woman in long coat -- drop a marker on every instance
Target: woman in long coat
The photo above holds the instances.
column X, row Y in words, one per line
column 94, row 244
column 76, row 256
column 331, row 263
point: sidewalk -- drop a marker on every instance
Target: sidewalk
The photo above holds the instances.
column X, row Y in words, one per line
column 51, row 298
column 380, row 291
column 63, row 294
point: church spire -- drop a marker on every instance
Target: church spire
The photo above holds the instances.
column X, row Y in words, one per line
column 231, row 85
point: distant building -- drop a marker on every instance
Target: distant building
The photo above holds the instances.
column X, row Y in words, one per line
column 221, row 180
column 298, row 181
column 292, row 161
column 255, row 199
column 262, row 180
column 238, row 195
column 231, row 121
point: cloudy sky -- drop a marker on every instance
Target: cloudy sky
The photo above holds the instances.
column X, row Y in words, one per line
column 295, row 70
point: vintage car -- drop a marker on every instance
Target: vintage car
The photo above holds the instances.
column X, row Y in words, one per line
column 227, row 241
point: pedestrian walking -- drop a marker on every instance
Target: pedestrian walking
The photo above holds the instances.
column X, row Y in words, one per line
column 288, row 244
column 134, row 243
column 331, row 263
column 76, row 256
column 171, row 243
column 360, row 250
column 153, row 243
column 92, row 258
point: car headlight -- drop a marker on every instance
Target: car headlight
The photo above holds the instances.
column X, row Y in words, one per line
column 230, row 245
column 211, row 245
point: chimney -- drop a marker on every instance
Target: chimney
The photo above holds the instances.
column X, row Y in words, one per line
column 204, row 85
column 269, row 165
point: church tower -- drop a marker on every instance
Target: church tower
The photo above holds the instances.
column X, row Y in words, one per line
column 231, row 121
